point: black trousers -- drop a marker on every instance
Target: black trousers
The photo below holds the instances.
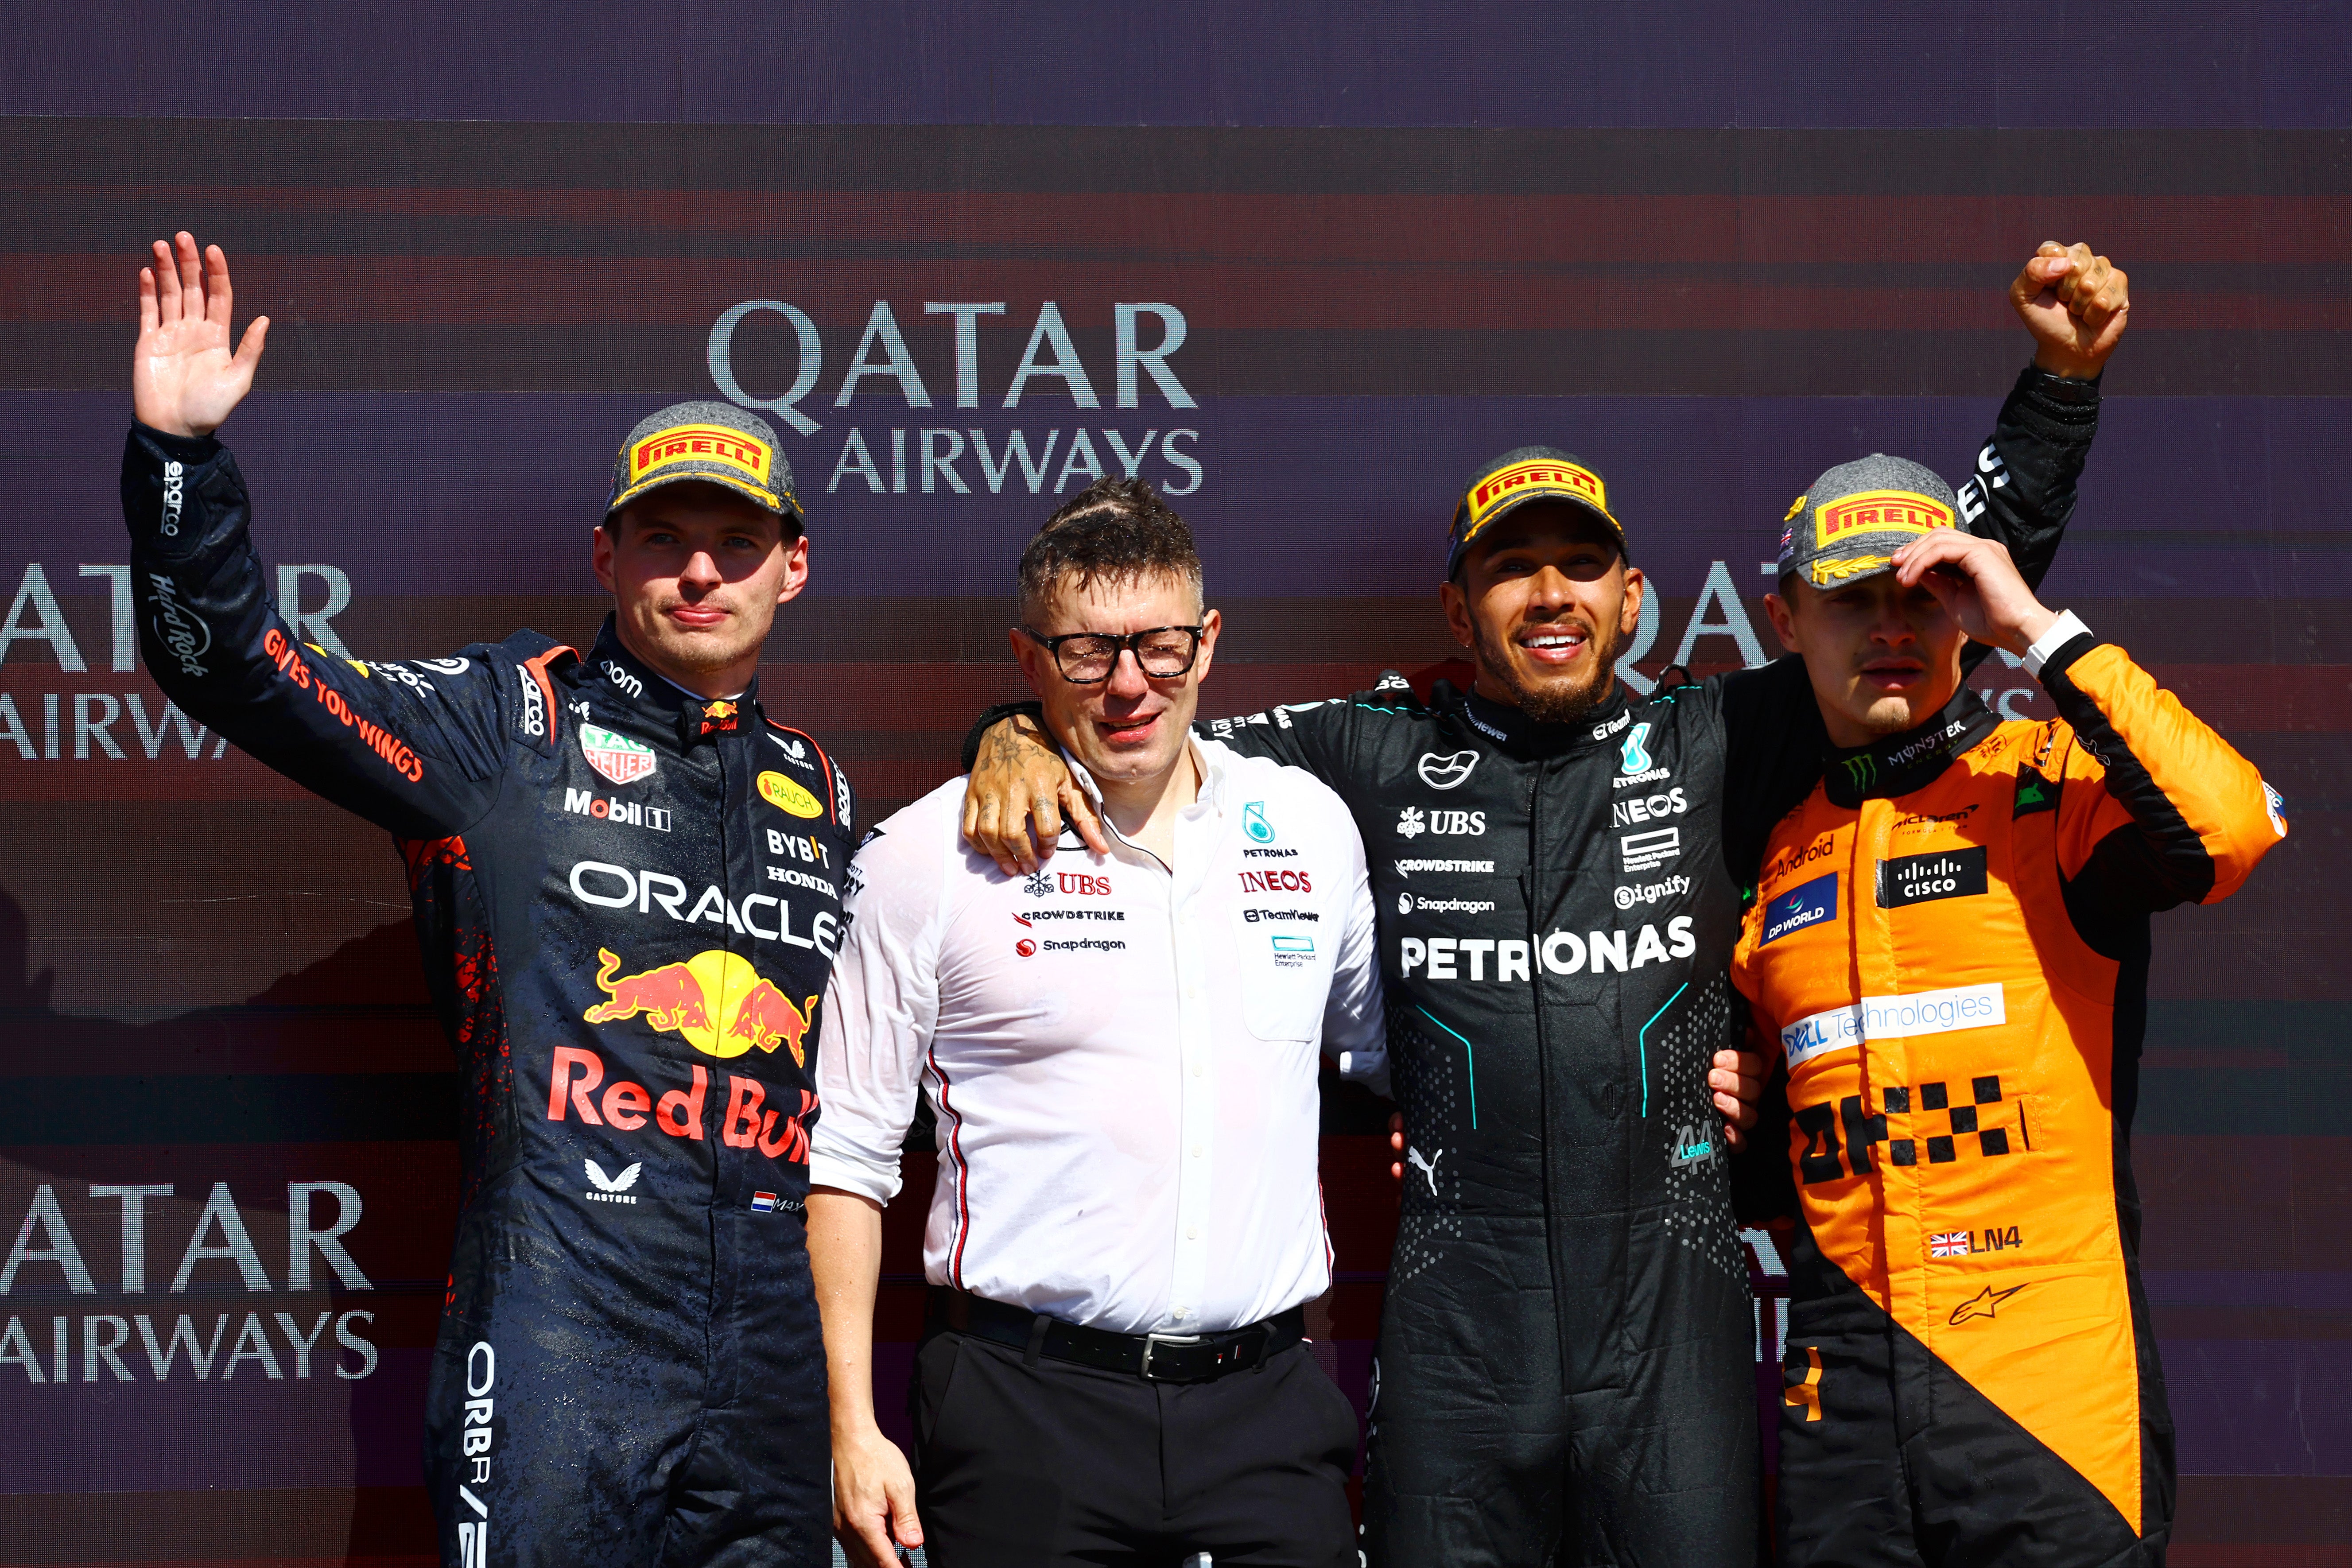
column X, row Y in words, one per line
column 1023, row 1465
column 1890, row 1459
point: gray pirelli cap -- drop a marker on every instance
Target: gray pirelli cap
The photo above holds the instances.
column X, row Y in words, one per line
column 714, row 442
column 1850, row 522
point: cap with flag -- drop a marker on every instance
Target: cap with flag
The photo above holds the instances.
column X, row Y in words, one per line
column 716, row 443
column 1521, row 475
column 1850, row 522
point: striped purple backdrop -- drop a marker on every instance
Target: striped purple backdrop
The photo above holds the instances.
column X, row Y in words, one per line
column 1301, row 266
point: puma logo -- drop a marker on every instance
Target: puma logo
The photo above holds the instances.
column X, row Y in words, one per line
column 1428, row 1168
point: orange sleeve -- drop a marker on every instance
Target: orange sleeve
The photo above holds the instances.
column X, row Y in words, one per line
column 2199, row 813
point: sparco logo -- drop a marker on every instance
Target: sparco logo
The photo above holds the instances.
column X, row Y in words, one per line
column 178, row 628
column 173, row 475
column 624, row 680
column 534, row 705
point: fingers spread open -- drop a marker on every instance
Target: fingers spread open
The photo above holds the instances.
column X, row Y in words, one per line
column 147, row 317
column 219, row 298
column 167, row 283
column 192, row 277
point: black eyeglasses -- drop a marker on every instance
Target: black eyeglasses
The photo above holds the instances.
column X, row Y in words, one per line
column 1086, row 658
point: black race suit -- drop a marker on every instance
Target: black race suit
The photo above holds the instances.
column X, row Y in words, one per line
column 1566, row 1363
column 626, row 900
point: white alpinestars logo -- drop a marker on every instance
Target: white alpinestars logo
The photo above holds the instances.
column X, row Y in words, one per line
column 793, row 749
column 1426, row 1167
column 610, row 1188
column 1409, row 826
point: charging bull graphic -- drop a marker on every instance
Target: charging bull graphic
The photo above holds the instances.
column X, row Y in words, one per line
column 689, row 999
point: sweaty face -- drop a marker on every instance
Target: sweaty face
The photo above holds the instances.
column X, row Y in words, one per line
column 697, row 573
column 1546, row 604
column 1130, row 727
column 1882, row 657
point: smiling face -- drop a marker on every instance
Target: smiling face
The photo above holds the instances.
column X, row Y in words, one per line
column 1882, row 657
column 696, row 572
column 1130, row 728
column 1546, row 604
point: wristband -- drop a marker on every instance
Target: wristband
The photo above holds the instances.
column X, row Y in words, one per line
column 2064, row 630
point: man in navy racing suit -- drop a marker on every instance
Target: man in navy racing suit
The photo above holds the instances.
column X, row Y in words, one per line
column 1565, row 1370
column 625, row 875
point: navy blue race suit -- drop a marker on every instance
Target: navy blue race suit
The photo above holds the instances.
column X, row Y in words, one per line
column 628, row 903
column 1567, row 1353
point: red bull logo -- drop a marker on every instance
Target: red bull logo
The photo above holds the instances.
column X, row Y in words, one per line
column 715, row 1001
column 576, row 1076
column 767, row 1019
column 669, row 997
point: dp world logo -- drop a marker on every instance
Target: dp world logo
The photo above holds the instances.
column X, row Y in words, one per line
column 1255, row 823
column 1446, row 771
column 1634, row 756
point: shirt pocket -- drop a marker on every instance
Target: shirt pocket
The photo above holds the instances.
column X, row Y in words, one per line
column 1285, row 947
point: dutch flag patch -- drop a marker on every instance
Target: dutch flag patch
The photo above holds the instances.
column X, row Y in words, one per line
column 764, row 1203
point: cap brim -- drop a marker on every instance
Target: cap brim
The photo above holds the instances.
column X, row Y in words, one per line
column 764, row 499
column 1462, row 547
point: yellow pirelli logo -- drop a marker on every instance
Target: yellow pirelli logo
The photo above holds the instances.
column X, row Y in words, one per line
column 1878, row 512
column 701, row 443
column 1521, row 480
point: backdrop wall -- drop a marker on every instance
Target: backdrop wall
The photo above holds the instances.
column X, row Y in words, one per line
column 1303, row 271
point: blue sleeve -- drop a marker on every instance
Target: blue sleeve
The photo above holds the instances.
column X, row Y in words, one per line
column 415, row 748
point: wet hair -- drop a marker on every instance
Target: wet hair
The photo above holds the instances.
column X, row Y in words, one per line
column 1116, row 530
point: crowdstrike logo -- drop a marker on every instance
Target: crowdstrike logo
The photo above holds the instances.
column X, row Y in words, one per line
column 1407, row 868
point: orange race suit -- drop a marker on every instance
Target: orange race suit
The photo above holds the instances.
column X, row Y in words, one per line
column 1949, row 946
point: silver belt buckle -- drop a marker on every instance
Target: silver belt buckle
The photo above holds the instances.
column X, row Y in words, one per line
column 1153, row 1341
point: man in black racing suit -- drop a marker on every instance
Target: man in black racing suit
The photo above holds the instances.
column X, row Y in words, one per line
column 626, row 896
column 1566, row 1363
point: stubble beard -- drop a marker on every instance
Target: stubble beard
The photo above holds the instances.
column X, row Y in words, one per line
column 1558, row 701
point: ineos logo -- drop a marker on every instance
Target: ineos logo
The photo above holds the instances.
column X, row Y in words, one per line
column 624, row 680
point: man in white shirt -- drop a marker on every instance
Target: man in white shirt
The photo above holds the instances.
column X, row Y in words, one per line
column 1127, row 1223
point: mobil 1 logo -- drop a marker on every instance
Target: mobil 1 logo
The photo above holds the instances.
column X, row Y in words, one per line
column 1908, row 880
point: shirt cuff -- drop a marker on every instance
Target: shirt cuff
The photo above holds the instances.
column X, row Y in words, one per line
column 850, row 1175
column 2064, row 630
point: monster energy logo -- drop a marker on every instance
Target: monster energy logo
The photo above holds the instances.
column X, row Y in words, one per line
column 1862, row 770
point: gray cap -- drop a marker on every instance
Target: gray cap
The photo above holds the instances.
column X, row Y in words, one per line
column 717, row 443
column 1850, row 522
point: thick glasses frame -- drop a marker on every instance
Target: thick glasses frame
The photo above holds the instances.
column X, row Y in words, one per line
column 1130, row 642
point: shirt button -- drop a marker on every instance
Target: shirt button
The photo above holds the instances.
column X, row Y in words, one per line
column 1196, row 1150
column 1192, row 1233
column 1196, row 1070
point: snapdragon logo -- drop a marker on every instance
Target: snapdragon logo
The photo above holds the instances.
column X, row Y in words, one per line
column 1895, row 1018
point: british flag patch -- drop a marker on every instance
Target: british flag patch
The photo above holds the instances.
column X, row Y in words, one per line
column 1947, row 1243
column 765, row 1203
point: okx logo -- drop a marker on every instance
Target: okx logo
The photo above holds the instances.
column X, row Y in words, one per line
column 715, row 1001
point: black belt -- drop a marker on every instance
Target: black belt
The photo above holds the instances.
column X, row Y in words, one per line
column 1163, row 1358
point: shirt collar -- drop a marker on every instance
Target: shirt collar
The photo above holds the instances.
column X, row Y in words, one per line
column 1521, row 736
column 1897, row 764
column 1210, row 800
column 665, row 706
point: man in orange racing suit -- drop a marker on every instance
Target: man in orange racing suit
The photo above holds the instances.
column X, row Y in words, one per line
column 1949, row 945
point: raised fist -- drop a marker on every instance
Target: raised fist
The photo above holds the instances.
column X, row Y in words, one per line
column 2074, row 304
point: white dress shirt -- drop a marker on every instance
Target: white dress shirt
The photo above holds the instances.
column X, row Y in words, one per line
column 1123, row 1055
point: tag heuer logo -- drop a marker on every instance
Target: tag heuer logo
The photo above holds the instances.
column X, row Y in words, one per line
column 617, row 757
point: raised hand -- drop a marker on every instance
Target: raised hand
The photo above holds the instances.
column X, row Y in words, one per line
column 1978, row 585
column 184, row 380
column 2074, row 304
